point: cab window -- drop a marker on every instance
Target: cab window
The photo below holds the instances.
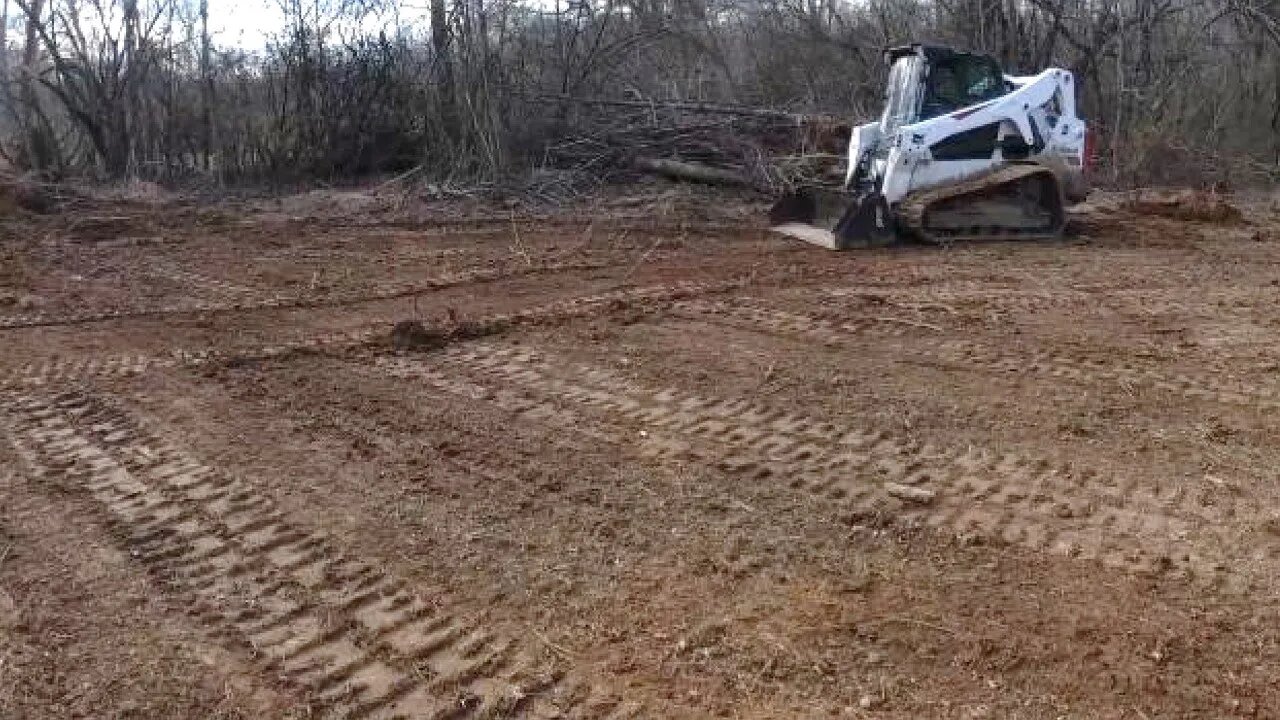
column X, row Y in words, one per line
column 961, row 81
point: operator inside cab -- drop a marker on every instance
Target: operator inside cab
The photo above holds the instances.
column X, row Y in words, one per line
column 958, row 82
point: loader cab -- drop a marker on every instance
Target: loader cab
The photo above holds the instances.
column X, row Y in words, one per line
column 928, row 81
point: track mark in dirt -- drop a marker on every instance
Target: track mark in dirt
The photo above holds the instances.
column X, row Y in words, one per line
column 59, row 371
column 85, row 598
column 388, row 290
column 219, row 289
column 971, row 355
column 1148, row 301
column 63, row 370
column 360, row 641
column 753, row 313
column 971, row 491
column 67, row 370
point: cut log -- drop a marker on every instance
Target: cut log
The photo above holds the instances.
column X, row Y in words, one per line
column 691, row 171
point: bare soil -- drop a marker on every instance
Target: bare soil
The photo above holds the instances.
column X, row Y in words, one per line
column 639, row 459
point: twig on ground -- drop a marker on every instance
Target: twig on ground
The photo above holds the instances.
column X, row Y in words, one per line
column 768, row 375
column 927, row 306
column 618, row 239
column 559, row 649
column 517, row 245
column 399, row 178
column 910, row 621
column 644, row 256
column 903, row 321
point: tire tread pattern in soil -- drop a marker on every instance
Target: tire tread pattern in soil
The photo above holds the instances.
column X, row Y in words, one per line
column 974, row 355
column 997, row 496
column 358, row 641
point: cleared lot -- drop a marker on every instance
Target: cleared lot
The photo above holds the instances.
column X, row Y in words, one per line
column 636, row 465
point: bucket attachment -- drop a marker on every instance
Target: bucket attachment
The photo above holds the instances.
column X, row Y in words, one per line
column 833, row 219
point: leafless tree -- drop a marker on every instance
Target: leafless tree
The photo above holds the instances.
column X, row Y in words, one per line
column 1179, row 90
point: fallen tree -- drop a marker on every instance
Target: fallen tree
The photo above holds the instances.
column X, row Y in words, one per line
column 758, row 148
column 691, row 171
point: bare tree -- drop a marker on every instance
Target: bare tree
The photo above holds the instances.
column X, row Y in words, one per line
column 1177, row 89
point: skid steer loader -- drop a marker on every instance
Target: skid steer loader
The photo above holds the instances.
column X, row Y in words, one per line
column 960, row 152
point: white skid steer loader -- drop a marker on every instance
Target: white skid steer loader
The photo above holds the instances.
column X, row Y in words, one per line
column 961, row 152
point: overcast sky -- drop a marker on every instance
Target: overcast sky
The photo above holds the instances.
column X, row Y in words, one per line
column 247, row 23
column 242, row 22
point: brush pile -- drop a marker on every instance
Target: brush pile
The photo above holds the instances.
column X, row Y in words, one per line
column 624, row 140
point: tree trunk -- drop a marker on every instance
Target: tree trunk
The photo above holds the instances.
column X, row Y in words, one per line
column 28, row 115
column 444, row 67
column 4, row 56
column 206, row 86
column 6, row 89
column 126, row 162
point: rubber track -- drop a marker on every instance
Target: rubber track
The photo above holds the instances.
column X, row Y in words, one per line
column 913, row 208
column 964, row 354
column 389, row 290
column 977, row 492
column 360, row 641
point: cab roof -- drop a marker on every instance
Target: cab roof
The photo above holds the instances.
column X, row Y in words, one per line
column 933, row 53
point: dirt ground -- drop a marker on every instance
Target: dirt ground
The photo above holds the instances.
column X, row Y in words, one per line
column 635, row 459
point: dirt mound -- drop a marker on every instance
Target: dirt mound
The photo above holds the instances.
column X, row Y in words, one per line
column 13, row 269
column 333, row 203
column 131, row 192
column 1199, row 205
column 413, row 335
column 96, row 228
column 23, row 193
